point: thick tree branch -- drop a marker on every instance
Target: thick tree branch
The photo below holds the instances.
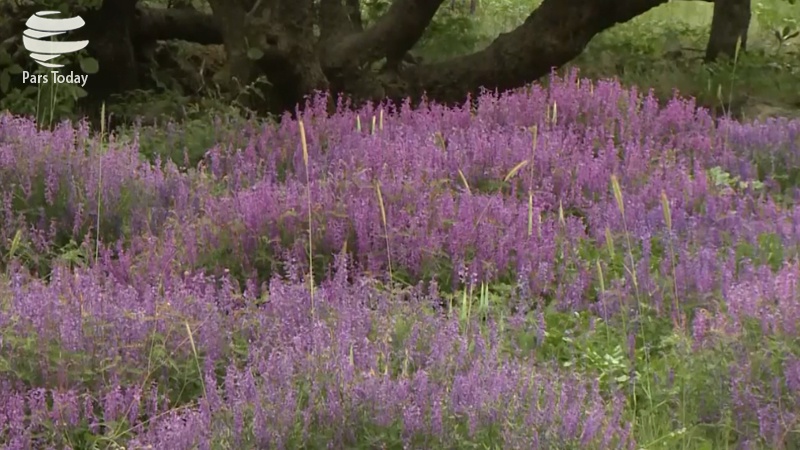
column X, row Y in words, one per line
column 334, row 22
column 555, row 33
column 181, row 24
column 392, row 36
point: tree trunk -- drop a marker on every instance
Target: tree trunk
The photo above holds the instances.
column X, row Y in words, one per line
column 274, row 39
column 110, row 32
column 730, row 24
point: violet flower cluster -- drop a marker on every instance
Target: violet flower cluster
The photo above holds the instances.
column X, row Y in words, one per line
column 198, row 280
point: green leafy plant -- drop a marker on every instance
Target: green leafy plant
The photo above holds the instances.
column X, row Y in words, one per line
column 722, row 178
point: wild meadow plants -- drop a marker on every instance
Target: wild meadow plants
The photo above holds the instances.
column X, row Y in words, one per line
column 569, row 266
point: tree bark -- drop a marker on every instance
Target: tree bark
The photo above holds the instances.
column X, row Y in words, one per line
column 334, row 21
column 354, row 14
column 730, row 23
column 154, row 24
column 391, row 37
column 110, row 31
column 555, row 33
column 281, row 32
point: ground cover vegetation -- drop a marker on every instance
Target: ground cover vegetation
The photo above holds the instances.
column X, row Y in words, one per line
column 576, row 264
column 571, row 266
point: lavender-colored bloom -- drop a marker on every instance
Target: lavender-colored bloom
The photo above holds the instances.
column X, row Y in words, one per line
column 200, row 272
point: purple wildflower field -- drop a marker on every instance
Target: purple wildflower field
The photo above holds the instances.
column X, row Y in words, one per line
column 569, row 266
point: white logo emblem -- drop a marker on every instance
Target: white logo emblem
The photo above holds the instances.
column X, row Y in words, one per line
column 41, row 27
